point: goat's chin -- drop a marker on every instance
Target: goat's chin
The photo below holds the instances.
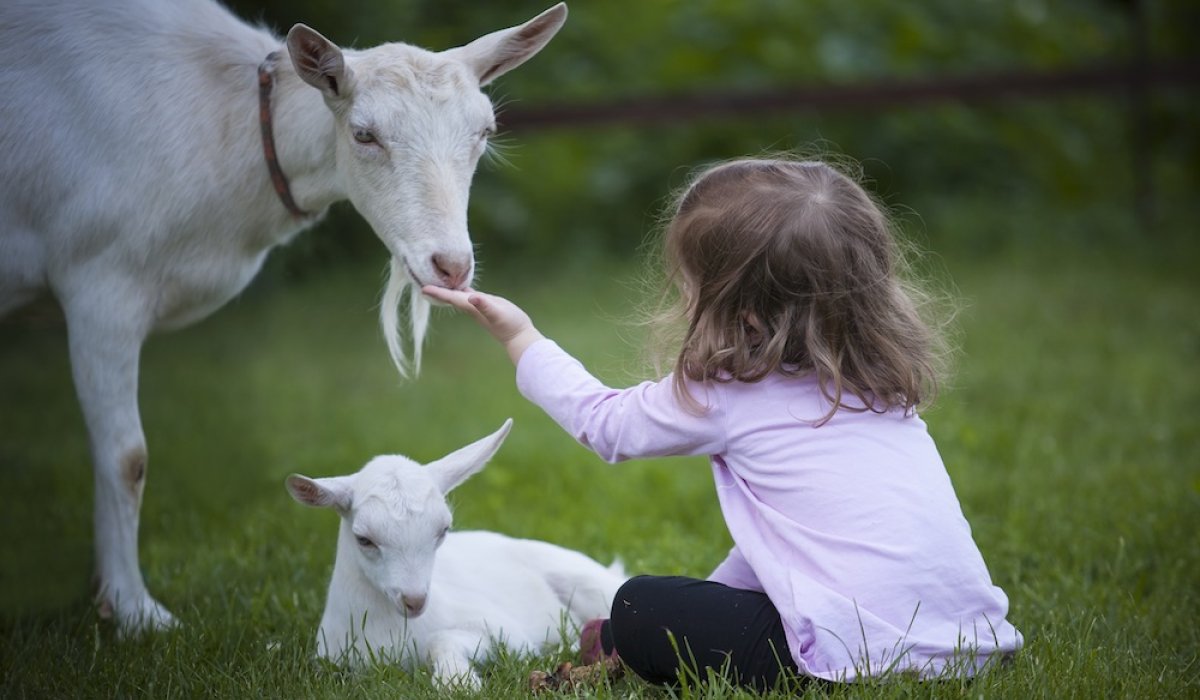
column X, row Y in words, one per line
column 413, row 277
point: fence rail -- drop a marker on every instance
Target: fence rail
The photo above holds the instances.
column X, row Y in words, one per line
column 662, row 109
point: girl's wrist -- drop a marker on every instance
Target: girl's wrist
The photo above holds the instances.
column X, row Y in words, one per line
column 519, row 343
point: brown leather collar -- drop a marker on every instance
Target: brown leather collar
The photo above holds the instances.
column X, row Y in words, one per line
column 266, row 80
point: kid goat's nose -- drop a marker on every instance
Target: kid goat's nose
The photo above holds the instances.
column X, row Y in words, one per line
column 453, row 270
column 413, row 604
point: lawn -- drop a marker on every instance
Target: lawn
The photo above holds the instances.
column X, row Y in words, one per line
column 1070, row 430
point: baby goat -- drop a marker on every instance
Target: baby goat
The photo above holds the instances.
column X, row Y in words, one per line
column 387, row 599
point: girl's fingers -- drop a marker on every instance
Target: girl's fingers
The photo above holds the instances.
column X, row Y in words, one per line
column 481, row 305
column 469, row 301
column 484, row 308
column 433, row 292
column 449, row 296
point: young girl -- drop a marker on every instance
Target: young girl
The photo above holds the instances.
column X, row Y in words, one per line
column 799, row 374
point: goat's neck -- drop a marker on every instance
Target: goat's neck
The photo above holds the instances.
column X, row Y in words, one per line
column 304, row 140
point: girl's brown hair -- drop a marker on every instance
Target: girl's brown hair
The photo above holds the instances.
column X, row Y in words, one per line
column 790, row 266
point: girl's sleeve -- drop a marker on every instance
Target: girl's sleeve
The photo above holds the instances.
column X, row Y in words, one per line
column 735, row 572
column 642, row 421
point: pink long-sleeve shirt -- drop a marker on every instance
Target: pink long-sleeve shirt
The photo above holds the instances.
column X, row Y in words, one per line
column 852, row 528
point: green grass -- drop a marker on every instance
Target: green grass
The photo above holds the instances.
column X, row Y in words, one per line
column 1070, row 431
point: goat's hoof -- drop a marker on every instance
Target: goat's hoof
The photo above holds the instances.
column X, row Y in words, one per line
column 145, row 615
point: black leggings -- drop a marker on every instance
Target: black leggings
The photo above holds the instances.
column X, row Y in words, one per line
column 734, row 632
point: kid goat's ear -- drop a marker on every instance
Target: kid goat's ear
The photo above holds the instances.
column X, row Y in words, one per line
column 456, row 467
column 333, row 492
column 492, row 55
column 318, row 61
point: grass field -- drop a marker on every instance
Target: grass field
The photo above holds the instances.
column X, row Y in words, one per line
column 1071, row 431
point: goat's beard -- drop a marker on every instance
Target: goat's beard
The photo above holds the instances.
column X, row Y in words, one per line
column 389, row 318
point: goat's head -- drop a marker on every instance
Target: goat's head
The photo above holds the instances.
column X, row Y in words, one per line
column 410, row 128
column 394, row 515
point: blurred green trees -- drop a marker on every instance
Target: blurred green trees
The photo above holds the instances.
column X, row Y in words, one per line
column 600, row 188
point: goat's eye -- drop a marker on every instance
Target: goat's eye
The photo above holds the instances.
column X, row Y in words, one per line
column 365, row 542
column 364, row 136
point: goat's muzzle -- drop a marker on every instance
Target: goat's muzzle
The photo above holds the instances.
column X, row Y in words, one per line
column 453, row 271
column 412, row 605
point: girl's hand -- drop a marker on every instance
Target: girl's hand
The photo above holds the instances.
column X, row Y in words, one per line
column 503, row 319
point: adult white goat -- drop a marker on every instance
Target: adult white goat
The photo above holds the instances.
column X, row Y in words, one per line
column 141, row 185
column 389, row 597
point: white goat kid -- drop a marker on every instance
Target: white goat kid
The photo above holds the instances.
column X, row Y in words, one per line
column 390, row 598
column 133, row 187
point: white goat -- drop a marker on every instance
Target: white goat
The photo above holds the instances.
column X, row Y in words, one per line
column 389, row 598
column 140, row 184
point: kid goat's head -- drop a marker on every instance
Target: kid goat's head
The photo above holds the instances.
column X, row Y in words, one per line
column 394, row 515
column 410, row 128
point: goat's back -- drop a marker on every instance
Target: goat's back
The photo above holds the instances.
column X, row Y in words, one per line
column 108, row 106
column 521, row 591
column 87, row 84
column 129, row 127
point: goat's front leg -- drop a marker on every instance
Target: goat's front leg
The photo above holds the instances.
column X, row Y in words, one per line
column 105, row 341
column 450, row 655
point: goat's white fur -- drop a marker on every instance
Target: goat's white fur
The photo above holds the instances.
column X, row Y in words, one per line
column 133, row 188
column 390, row 596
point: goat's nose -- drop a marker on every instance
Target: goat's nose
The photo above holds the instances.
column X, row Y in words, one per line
column 452, row 269
column 413, row 604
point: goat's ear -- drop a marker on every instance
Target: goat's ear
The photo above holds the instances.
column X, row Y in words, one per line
column 456, row 467
column 318, row 61
column 333, row 492
column 495, row 54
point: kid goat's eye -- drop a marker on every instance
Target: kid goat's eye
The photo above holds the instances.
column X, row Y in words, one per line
column 364, row 136
column 364, row 541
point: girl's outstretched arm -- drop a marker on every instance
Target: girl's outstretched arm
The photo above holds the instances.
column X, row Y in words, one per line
column 506, row 321
column 617, row 424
